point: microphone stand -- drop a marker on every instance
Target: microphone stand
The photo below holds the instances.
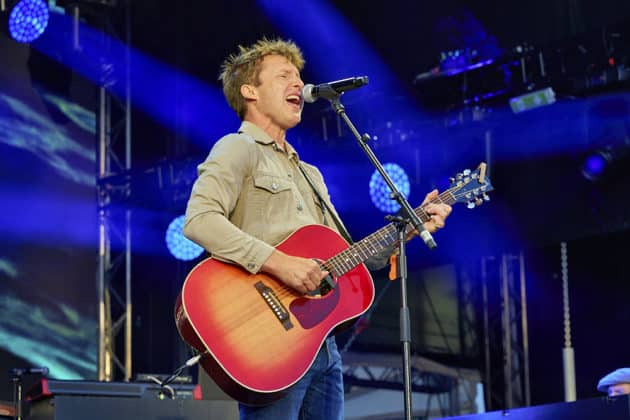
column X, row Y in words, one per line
column 408, row 217
column 17, row 394
column 16, row 378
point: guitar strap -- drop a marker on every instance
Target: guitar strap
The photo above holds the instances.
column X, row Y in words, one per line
column 324, row 207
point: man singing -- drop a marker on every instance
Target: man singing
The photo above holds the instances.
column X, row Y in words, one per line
column 251, row 194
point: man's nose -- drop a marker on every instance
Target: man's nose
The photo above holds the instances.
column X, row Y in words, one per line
column 297, row 81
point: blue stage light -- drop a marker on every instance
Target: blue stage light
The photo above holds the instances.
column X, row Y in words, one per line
column 28, row 20
column 379, row 191
column 595, row 165
column 181, row 247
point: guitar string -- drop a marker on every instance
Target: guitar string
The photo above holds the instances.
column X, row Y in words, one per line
column 342, row 262
column 363, row 245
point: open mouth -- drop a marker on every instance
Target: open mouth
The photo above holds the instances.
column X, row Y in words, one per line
column 295, row 100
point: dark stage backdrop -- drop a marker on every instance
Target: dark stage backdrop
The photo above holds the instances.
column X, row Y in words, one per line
column 598, row 290
column 48, row 223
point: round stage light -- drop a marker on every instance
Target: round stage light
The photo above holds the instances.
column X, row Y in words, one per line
column 379, row 191
column 181, row 247
column 595, row 165
column 28, row 20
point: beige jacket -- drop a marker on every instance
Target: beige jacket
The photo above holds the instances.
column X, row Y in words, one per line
column 249, row 196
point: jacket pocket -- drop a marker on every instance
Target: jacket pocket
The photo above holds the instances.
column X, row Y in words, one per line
column 271, row 183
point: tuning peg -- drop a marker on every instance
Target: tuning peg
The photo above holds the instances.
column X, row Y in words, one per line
column 451, row 180
column 471, row 205
column 486, row 197
column 459, row 176
column 478, row 201
column 466, row 172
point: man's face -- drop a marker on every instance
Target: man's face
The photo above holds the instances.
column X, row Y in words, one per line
column 280, row 92
column 618, row 389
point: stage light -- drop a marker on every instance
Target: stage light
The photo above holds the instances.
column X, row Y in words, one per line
column 533, row 100
column 181, row 247
column 605, row 162
column 28, row 20
column 595, row 164
column 379, row 191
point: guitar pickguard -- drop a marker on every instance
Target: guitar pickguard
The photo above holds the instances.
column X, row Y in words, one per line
column 311, row 311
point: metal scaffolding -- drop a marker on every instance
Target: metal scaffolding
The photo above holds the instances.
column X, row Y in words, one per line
column 505, row 332
column 439, row 390
column 114, row 251
column 452, row 390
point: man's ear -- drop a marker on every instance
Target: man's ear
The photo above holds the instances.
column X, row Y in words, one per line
column 249, row 92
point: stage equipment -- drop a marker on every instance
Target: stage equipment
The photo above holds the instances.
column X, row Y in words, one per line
column 48, row 388
column 586, row 64
column 80, row 3
column 595, row 164
column 407, row 220
column 568, row 356
column 25, row 20
column 604, row 408
column 380, row 194
column 114, row 245
column 454, row 389
column 16, row 377
column 60, row 400
column 506, row 337
column 533, row 100
column 331, row 90
column 603, row 161
column 181, row 247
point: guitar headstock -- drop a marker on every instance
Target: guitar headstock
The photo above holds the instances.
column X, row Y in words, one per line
column 471, row 187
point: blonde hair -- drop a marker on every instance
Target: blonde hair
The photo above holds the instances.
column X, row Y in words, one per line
column 244, row 68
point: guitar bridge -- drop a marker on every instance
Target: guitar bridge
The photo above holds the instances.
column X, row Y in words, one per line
column 274, row 304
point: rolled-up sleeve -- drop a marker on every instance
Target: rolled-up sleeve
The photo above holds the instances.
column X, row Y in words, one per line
column 213, row 198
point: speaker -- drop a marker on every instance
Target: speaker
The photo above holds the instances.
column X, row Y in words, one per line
column 49, row 387
column 72, row 407
column 68, row 400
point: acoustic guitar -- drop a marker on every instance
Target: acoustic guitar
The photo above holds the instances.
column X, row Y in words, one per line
column 258, row 337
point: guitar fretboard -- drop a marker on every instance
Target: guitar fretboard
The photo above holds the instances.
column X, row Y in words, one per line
column 383, row 238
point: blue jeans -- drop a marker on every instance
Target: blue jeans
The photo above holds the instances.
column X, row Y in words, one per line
column 317, row 396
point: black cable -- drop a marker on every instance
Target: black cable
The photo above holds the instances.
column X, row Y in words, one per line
column 165, row 383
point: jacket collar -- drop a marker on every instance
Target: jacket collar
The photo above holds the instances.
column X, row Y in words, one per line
column 261, row 137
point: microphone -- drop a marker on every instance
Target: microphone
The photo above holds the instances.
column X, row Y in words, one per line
column 332, row 90
column 30, row 371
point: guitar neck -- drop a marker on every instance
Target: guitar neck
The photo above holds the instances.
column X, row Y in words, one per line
column 383, row 238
